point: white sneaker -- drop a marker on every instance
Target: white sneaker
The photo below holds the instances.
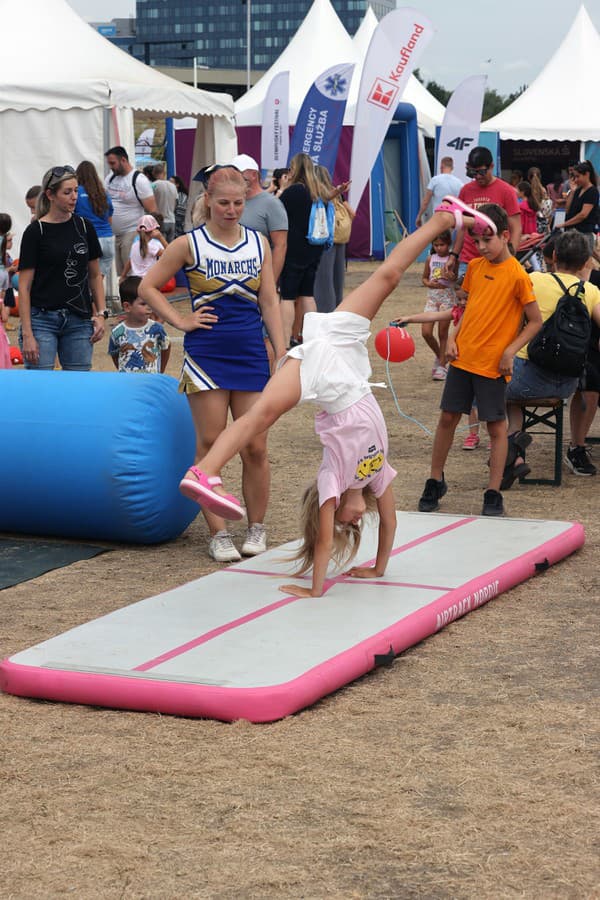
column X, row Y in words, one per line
column 256, row 540
column 439, row 374
column 222, row 548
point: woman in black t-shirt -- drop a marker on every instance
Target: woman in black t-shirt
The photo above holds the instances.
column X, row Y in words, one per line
column 61, row 292
column 582, row 204
column 301, row 259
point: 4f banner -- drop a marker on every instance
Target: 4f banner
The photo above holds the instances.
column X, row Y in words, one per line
column 462, row 121
column 319, row 122
column 395, row 48
column 275, row 132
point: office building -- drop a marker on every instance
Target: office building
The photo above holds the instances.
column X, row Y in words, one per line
column 172, row 34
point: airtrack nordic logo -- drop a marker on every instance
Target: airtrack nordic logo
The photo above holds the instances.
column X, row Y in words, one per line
column 382, row 93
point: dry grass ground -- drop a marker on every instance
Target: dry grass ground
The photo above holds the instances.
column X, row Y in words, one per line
column 469, row 769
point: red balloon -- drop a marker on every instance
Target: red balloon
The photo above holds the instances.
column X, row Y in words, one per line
column 394, row 344
column 169, row 287
column 16, row 357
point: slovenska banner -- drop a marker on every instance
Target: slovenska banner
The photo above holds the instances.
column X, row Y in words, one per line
column 275, row 131
column 319, row 122
column 462, row 121
column 393, row 53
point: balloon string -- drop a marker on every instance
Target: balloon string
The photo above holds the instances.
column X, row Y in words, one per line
column 395, row 396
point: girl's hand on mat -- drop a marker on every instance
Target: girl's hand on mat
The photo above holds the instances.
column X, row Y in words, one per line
column 362, row 572
column 201, row 318
column 296, row 590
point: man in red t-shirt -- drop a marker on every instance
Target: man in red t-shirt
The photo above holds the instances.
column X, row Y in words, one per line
column 486, row 188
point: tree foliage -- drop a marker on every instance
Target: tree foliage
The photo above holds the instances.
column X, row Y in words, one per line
column 493, row 102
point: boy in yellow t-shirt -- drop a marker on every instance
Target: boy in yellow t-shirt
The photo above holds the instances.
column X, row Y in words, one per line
column 481, row 351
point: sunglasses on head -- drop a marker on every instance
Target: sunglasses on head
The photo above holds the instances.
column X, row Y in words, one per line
column 59, row 172
column 204, row 174
column 482, row 170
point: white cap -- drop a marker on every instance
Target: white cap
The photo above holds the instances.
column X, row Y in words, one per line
column 243, row 162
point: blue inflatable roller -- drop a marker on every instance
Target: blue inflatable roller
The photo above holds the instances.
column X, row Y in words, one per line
column 95, row 455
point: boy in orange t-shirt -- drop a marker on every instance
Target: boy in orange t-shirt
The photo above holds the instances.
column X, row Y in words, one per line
column 481, row 351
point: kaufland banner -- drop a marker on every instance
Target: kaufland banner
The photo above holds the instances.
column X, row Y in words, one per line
column 462, row 121
column 275, row 131
column 319, row 122
column 395, row 48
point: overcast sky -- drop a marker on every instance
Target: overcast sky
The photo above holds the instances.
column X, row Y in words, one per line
column 510, row 41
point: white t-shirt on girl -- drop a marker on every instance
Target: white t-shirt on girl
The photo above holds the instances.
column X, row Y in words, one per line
column 141, row 264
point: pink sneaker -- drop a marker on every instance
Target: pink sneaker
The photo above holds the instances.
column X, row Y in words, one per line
column 471, row 442
column 458, row 209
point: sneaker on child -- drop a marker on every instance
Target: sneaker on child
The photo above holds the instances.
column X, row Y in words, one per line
column 493, row 504
column 471, row 442
column 439, row 373
column 432, row 493
column 579, row 462
column 256, row 540
column 222, row 548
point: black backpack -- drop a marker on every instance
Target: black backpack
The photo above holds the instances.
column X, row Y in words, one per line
column 561, row 345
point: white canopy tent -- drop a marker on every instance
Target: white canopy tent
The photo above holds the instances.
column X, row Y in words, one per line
column 68, row 94
column 322, row 41
column 559, row 105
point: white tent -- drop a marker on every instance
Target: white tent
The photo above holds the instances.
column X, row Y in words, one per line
column 67, row 94
column 322, row 41
column 559, row 105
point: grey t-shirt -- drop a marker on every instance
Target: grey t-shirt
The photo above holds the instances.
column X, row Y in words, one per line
column 265, row 213
column 165, row 194
column 442, row 185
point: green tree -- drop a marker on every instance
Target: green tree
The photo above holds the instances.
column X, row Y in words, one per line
column 493, row 102
column 439, row 92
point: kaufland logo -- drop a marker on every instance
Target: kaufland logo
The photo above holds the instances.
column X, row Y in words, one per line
column 406, row 52
column 382, row 93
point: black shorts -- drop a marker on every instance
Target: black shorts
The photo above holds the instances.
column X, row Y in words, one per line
column 462, row 389
column 298, row 279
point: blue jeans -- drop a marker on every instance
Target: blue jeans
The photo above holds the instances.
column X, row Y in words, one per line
column 107, row 245
column 59, row 331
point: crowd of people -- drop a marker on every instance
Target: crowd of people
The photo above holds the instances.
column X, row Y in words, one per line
column 270, row 326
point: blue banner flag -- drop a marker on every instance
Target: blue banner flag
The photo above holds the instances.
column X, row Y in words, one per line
column 319, row 122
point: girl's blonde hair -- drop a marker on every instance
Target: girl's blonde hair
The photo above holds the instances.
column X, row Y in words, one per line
column 346, row 537
column 538, row 191
column 324, row 179
column 51, row 182
column 226, row 175
column 302, row 171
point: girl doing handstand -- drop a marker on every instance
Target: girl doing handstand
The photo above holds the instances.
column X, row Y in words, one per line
column 331, row 367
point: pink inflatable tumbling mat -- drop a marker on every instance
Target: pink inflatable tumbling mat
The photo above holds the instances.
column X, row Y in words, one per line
column 231, row 646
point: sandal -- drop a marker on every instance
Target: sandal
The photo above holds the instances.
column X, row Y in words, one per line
column 517, row 444
column 511, row 473
column 460, row 209
column 202, row 491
